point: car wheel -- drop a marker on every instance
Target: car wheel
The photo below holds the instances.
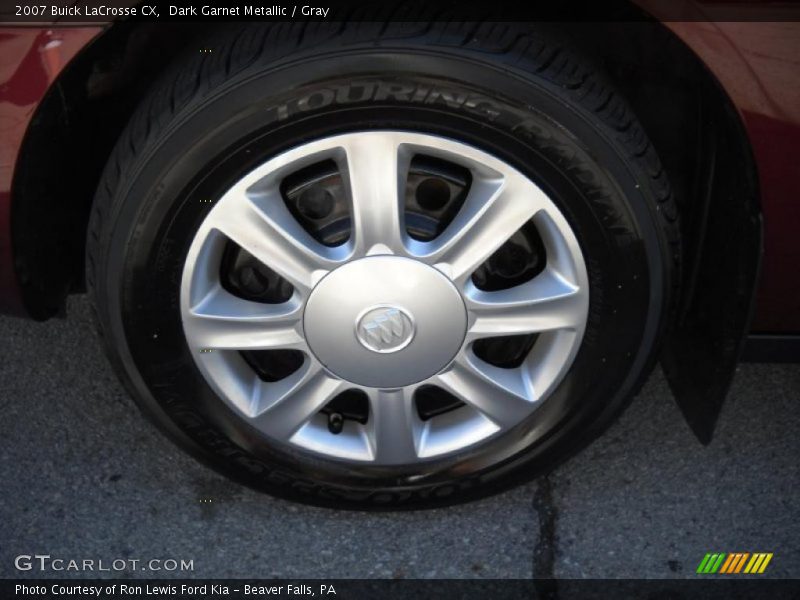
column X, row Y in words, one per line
column 383, row 268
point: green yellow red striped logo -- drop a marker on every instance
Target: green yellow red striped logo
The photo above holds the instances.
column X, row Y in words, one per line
column 732, row 563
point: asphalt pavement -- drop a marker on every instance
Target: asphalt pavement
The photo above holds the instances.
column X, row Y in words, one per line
column 85, row 476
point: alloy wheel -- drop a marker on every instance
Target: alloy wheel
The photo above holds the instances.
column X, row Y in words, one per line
column 380, row 315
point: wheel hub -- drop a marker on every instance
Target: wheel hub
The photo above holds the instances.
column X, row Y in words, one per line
column 385, row 321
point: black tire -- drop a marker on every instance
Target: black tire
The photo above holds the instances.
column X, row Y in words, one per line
column 514, row 91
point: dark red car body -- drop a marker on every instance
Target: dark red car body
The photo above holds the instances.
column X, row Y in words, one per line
column 31, row 58
column 758, row 65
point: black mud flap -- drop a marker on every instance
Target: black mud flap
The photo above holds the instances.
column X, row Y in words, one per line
column 722, row 248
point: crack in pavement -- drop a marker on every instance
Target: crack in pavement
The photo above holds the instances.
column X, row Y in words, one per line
column 544, row 552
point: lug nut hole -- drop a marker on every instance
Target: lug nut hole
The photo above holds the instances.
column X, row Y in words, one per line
column 253, row 281
column 433, row 194
column 315, row 203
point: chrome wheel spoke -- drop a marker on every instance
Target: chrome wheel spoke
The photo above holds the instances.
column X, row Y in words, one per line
column 395, row 427
column 222, row 321
column 264, row 227
column 494, row 210
column 376, row 169
column 282, row 408
column 502, row 395
column 545, row 303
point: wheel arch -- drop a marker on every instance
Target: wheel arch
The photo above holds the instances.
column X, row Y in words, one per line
column 65, row 148
column 704, row 147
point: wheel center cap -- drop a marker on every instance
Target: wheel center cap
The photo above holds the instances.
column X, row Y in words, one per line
column 385, row 329
column 385, row 321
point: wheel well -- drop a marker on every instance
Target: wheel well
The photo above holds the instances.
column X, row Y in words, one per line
column 66, row 148
column 695, row 128
column 76, row 125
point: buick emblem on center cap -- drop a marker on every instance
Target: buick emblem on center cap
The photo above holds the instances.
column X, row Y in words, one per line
column 385, row 329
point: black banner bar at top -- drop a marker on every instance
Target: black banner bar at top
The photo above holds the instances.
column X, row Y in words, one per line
column 74, row 12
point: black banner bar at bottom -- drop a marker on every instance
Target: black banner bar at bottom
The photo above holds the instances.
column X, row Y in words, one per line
column 390, row 589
